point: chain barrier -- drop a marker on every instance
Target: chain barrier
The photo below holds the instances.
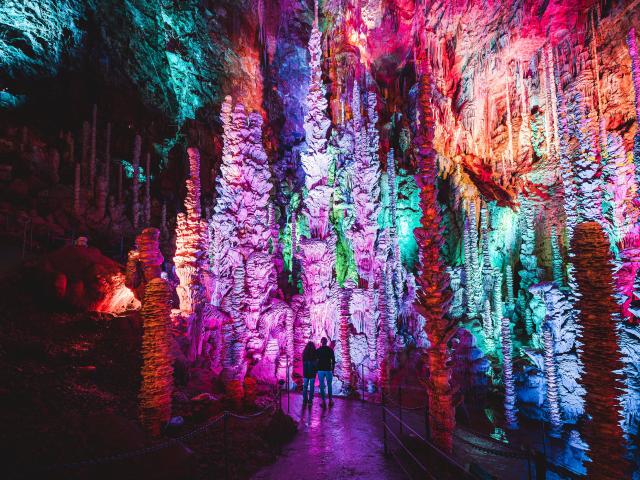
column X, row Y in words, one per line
column 160, row 446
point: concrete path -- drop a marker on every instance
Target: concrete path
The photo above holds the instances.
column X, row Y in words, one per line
column 340, row 442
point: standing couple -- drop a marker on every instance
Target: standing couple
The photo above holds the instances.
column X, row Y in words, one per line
column 321, row 361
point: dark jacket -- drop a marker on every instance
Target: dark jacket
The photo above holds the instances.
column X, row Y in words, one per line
column 310, row 364
column 326, row 359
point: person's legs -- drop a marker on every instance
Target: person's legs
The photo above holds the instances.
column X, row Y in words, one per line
column 312, row 387
column 329, row 377
column 321, row 378
column 305, row 389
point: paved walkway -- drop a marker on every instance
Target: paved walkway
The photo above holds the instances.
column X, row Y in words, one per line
column 342, row 442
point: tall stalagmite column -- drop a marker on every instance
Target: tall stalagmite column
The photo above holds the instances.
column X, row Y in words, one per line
column 600, row 354
column 189, row 258
column 433, row 298
column 157, row 368
column 318, row 252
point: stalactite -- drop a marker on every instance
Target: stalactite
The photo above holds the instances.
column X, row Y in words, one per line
column 600, row 354
column 135, row 191
column 509, row 123
column 157, row 367
column 551, row 377
column 553, row 89
column 92, row 153
column 510, row 410
column 566, row 168
column 635, row 74
column 433, row 298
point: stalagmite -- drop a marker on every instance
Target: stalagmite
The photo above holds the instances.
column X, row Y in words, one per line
column 92, row 153
column 497, row 305
column 487, row 269
column 76, row 190
column 86, row 133
column 510, row 410
column 345, row 317
column 147, row 191
column 120, row 184
column 135, row 191
column 487, row 327
column 551, row 376
column 366, row 193
column 157, row 369
column 107, row 156
column 556, row 258
column 509, row 282
column 529, row 272
column 585, row 162
column 189, row 257
column 602, row 359
column 561, row 317
column 164, row 229
column 433, row 297
column 472, row 310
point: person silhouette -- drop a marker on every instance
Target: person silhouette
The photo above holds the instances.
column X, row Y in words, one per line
column 326, row 364
column 309, row 369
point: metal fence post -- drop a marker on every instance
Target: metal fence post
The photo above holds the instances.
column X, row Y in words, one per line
column 287, row 386
column 384, row 425
column 400, row 406
column 225, row 445
column 427, row 428
column 541, row 466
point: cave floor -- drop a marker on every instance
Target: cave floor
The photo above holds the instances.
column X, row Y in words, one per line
column 330, row 444
column 345, row 441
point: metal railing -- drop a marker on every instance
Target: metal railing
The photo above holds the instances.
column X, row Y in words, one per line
column 532, row 457
column 223, row 418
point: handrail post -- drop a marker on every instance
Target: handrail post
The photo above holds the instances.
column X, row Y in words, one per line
column 529, row 463
column 400, row 406
column 541, row 466
column 384, row 425
column 287, row 387
column 362, row 365
column 427, row 428
column 225, row 445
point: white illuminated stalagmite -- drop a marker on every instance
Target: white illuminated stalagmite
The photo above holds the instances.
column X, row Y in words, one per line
column 319, row 314
column 507, row 374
